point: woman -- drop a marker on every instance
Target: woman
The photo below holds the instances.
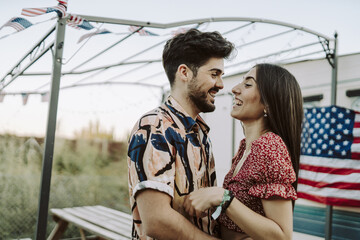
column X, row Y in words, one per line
column 256, row 201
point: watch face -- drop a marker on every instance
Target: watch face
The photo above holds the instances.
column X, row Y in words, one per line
column 356, row 104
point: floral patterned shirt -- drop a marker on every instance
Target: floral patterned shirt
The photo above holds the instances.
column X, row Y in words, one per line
column 170, row 152
column 266, row 172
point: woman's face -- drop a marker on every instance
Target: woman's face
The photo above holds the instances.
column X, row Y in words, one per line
column 247, row 105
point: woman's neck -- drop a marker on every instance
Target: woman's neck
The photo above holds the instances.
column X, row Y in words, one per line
column 253, row 132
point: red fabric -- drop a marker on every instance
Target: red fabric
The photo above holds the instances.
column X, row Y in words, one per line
column 266, row 172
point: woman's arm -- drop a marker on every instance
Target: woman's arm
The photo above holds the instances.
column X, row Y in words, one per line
column 278, row 223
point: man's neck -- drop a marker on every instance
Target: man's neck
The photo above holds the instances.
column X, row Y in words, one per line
column 186, row 104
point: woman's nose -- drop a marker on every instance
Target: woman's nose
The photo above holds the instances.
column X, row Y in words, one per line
column 236, row 89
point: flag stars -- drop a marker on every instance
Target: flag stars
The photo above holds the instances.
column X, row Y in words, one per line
column 315, row 135
column 324, row 146
column 323, row 120
column 330, row 152
column 326, row 136
column 333, row 120
column 317, row 125
column 338, row 137
column 347, row 121
column 322, row 110
column 321, row 131
column 318, row 116
column 333, row 109
column 346, row 131
column 340, row 115
column 318, row 151
column 339, row 126
column 332, row 131
column 343, row 153
column 327, row 126
column 319, row 141
column 337, row 147
column 346, row 143
column 327, row 115
column 331, row 142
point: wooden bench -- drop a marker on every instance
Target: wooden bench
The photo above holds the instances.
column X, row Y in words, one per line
column 103, row 222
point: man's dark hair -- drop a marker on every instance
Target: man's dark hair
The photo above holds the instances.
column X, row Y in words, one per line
column 194, row 49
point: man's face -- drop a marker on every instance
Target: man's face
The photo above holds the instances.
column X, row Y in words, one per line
column 203, row 87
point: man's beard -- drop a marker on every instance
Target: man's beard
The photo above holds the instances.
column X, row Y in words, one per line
column 200, row 98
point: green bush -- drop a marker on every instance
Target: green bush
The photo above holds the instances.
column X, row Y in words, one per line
column 85, row 172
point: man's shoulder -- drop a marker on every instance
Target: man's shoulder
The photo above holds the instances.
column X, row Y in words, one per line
column 154, row 117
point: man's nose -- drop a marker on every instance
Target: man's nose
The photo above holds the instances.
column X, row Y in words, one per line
column 219, row 83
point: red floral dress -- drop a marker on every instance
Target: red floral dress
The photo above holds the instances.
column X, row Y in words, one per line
column 266, row 172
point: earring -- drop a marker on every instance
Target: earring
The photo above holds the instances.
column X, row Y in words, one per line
column 265, row 115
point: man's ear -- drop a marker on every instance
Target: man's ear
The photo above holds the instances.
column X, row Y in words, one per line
column 184, row 73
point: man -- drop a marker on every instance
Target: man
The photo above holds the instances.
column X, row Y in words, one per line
column 169, row 152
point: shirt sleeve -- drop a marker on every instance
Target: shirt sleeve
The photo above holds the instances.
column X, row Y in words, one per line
column 276, row 173
column 151, row 165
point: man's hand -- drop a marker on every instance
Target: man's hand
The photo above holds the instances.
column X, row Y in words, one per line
column 160, row 221
column 197, row 202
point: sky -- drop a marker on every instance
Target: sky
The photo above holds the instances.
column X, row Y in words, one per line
column 117, row 107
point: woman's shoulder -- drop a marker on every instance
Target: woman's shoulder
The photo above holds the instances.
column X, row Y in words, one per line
column 271, row 142
column 269, row 138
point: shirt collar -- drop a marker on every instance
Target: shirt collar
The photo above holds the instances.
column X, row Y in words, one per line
column 188, row 122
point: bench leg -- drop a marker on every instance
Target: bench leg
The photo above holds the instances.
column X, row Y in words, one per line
column 58, row 230
column 83, row 237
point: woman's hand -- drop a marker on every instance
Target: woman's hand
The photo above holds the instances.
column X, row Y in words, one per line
column 197, row 202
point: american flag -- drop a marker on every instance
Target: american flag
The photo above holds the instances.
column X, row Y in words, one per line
column 2, row 96
column 99, row 31
column 330, row 156
column 142, row 32
column 18, row 23
column 79, row 23
column 25, row 97
column 179, row 30
column 60, row 9
column 45, row 97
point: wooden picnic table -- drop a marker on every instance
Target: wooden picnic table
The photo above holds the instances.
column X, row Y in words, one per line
column 103, row 222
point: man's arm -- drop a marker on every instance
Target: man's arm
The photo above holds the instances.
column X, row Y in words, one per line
column 160, row 221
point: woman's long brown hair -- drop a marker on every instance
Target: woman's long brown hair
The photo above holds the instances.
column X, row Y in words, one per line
column 281, row 95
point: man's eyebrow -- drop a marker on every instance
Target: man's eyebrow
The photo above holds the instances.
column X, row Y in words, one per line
column 217, row 70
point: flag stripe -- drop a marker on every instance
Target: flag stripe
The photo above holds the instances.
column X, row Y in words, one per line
column 30, row 12
column 333, row 162
column 338, row 185
column 330, row 192
column 355, row 148
column 355, row 155
column 338, row 171
column 329, row 178
column 330, row 200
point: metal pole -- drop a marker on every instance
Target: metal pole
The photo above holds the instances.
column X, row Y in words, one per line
column 329, row 208
column 50, row 133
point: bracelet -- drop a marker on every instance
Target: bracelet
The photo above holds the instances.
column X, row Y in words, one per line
column 227, row 199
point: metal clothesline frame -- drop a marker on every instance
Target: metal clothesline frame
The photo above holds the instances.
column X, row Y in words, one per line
column 57, row 47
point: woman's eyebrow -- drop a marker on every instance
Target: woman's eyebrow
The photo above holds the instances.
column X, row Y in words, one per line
column 250, row 77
